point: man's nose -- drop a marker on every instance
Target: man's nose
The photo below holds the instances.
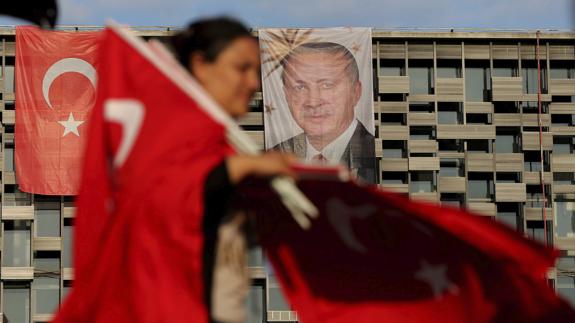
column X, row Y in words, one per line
column 314, row 97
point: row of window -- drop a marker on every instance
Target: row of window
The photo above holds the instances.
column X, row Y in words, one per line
column 505, row 142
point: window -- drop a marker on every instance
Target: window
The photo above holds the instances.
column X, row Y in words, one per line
column 448, row 68
column 509, row 214
column 536, row 231
column 563, row 145
column 564, row 178
column 565, row 216
column 46, row 284
column 477, row 81
column 14, row 197
column 421, row 133
column 422, row 182
column 529, row 75
column 9, row 79
column 451, row 145
column 67, row 243
column 479, row 145
column 9, row 157
column 507, row 140
column 505, row 68
column 255, row 257
column 562, row 70
column 533, row 107
column 452, row 199
column 449, row 113
column 421, row 77
column 424, row 107
column 16, row 302
column 480, row 186
column 47, row 216
column 479, row 118
column 566, row 279
column 16, row 247
column 276, row 299
column 505, row 107
column 532, row 161
column 392, row 67
column 256, row 305
column 451, row 167
column 393, row 149
column 566, row 120
column 508, row 178
column 535, row 197
column 393, row 119
column 394, row 178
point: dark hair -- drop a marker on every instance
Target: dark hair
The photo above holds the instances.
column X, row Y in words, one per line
column 208, row 37
column 332, row 49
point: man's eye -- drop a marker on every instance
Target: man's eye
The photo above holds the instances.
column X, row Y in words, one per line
column 327, row 85
column 299, row 87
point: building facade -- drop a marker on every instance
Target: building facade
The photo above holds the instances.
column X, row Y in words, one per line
column 457, row 122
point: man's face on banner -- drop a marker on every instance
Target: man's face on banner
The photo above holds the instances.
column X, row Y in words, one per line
column 320, row 94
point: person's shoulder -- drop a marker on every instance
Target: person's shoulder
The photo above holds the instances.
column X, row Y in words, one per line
column 288, row 145
column 361, row 131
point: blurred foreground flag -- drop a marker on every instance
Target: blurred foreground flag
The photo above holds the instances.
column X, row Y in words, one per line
column 376, row 256
column 138, row 253
column 55, row 82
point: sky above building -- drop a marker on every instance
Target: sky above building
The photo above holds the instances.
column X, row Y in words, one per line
column 497, row 14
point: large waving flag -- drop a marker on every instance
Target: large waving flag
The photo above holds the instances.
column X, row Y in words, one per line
column 139, row 246
column 55, row 92
column 374, row 256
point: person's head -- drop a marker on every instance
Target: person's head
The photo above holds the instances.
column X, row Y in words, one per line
column 223, row 56
column 322, row 87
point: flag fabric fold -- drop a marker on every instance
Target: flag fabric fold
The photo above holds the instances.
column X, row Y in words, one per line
column 374, row 256
column 55, row 81
column 139, row 236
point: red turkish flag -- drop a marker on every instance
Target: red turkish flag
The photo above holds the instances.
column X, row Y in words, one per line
column 374, row 256
column 55, row 91
column 139, row 233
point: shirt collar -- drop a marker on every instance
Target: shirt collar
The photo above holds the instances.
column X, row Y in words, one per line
column 335, row 149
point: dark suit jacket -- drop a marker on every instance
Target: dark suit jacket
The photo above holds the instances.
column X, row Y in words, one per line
column 359, row 155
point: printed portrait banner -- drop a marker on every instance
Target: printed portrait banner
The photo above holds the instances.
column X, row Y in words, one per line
column 55, row 81
column 318, row 95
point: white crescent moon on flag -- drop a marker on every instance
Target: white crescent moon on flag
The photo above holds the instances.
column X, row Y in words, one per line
column 67, row 65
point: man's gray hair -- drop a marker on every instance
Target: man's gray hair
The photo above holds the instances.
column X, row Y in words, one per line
column 332, row 49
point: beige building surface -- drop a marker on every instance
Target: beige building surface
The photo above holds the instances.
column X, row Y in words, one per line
column 457, row 123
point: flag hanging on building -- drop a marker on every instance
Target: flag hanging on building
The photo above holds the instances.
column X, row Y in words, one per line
column 374, row 256
column 149, row 149
column 55, row 91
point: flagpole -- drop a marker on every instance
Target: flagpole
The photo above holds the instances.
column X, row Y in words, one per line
column 292, row 198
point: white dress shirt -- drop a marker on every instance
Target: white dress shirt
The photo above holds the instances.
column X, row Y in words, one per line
column 335, row 149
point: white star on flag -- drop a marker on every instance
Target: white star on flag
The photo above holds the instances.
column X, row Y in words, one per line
column 436, row 277
column 340, row 214
column 71, row 125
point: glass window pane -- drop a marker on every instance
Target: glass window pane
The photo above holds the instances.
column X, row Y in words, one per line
column 565, row 216
column 475, row 84
column 420, row 79
column 16, row 248
column 67, row 242
column 47, row 217
column 506, row 143
column 16, row 302
column 448, row 72
column 277, row 301
column 422, row 182
column 47, row 293
column 9, row 157
column 9, row 81
column 255, row 305
column 255, row 258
